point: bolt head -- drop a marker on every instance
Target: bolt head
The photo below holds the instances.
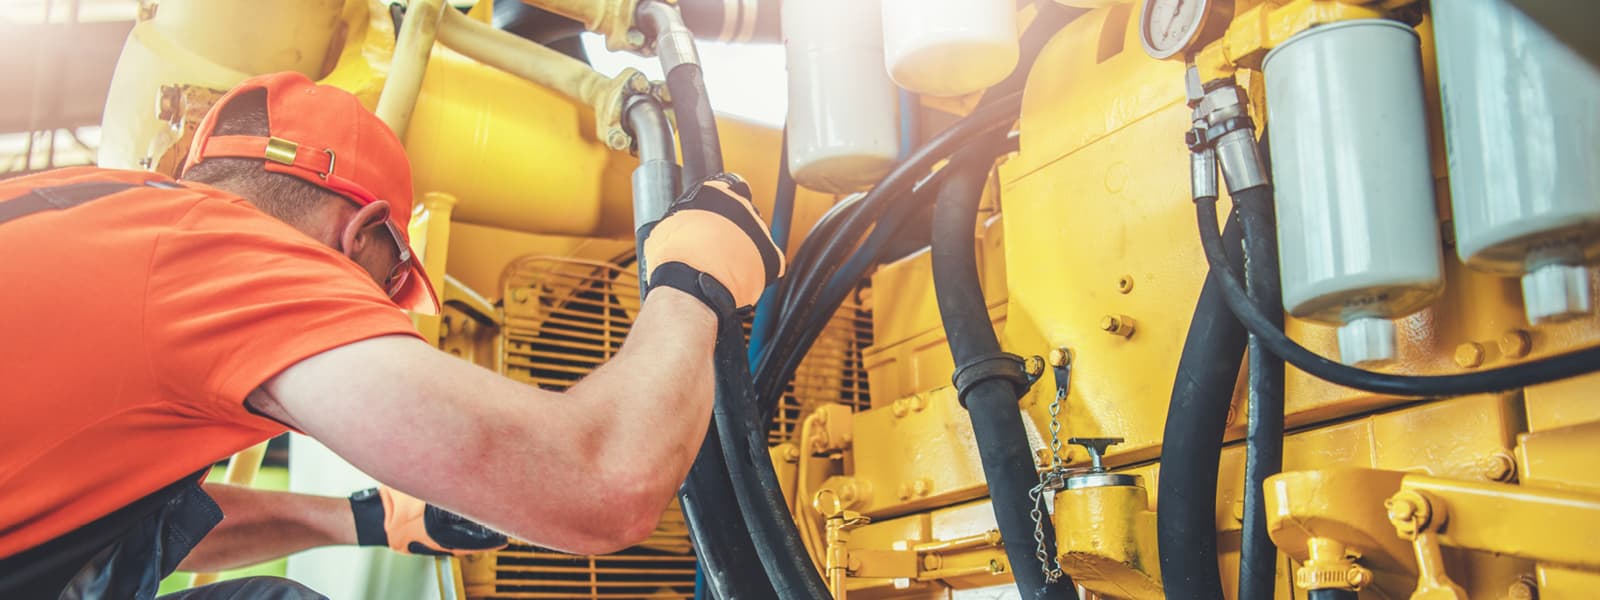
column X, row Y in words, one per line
column 932, row 562
column 1522, row 590
column 1516, row 343
column 1401, row 510
column 1125, row 284
column 1033, row 366
column 1497, row 467
column 1469, row 355
column 1060, row 357
column 635, row 38
column 1358, row 577
column 618, row 140
column 1109, row 323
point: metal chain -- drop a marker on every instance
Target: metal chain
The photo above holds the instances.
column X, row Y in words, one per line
column 1053, row 479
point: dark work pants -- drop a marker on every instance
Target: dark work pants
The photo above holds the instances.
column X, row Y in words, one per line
column 248, row 588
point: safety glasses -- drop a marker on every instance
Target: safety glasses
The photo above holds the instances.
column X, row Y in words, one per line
column 401, row 273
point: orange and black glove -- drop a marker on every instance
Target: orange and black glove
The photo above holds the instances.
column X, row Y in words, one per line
column 713, row 245
column 386, row 517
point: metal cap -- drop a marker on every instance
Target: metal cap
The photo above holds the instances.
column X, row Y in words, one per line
column 1366, row 341
column 1094, row 480
column 1556, row 293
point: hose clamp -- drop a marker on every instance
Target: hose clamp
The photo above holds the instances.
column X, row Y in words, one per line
column 1000, row 365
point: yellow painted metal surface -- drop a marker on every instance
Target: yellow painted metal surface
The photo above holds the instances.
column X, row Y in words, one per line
column 1106, row 538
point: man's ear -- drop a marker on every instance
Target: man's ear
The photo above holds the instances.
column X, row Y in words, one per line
column 351, row 240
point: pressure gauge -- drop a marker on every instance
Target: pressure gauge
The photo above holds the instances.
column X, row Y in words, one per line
column 1167, row 27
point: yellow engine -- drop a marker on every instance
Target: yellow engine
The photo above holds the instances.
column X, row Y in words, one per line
column 1409, row 214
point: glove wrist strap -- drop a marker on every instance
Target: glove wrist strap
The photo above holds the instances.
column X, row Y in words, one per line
column 705, row 288
column 367, row 508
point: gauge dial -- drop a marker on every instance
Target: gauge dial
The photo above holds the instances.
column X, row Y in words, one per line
column 1167, row 27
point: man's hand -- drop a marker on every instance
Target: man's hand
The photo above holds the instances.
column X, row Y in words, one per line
column 386, row 517
column 712, row 245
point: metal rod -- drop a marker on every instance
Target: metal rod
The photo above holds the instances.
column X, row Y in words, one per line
column 411, row 53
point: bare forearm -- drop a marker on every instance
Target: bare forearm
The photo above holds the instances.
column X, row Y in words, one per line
column 260, row 525
column 659, row 386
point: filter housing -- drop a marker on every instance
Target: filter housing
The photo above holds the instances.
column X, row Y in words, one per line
column 1358, row 237
column 1521, row 120
column 843, row 111
column 949, row 47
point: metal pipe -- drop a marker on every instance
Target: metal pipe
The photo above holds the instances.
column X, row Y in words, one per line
column 655, row 180
column 411, row 52
column 610, row 18
column 548, row 68
column 697, row 125
column 674, row 43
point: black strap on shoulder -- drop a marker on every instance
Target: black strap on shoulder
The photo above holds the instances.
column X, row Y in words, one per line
column 59, row 198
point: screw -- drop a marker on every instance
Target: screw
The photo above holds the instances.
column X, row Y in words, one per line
column 1117, row 325
column 1401, row 510
column 1033, row 366
column 899, row 408
column 1516, row 343
column 1125, row 284
column 617, row 140
column 1523, row 589
column 1358, row 577
column 1469, row 355
column 932, row 562
column 1060, row 357
column 639, row 84
column 995, row 567
column 921, row 487
column 1497, row 467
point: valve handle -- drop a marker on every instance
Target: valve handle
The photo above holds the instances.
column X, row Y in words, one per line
column 1097, row 449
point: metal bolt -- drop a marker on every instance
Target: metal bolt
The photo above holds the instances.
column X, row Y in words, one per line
column 1125, row 284
column 1497, row 467
column 1401, row 510
column 1469, row 355
column 1358, row 577
column 1041, row 457
column 618, row 140
column 995, row 567
column 1516, row 343
column 791, row 454
column 1033, row 366
column 848, row 493
column 1060, row 357
column 921, row 487
column 635, row 38
column 899, row 408
column 932, row 562
column 1117, row 325
column 639, row 84
column 1523, row 589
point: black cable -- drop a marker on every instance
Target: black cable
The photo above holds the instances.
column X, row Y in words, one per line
column 1191, row 441
column 1502, row 379
column 997, row 426
column 1258, row 556
column 697, row 125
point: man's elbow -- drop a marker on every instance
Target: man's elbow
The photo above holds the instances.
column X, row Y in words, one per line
column 629, row 510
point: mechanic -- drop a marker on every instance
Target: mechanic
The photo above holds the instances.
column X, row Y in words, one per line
column 154, row 327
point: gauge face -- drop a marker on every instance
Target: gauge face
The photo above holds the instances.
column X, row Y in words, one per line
column 1168, row 26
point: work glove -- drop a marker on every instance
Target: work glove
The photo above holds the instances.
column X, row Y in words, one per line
column 713, row 245
column 386, row 517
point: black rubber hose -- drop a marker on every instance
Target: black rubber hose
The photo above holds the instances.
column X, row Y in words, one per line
column 697, row 125
column 1502, row 379
column 1332, row 595
column 755, row 483
column 997, row 425
column 1258, row 556
column 1191, row 443
column 809, row 283
column 723, row 547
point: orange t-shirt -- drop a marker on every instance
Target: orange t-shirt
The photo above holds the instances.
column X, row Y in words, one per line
column 133, row 327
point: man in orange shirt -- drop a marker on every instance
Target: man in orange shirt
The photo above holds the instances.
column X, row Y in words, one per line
column 155, row 327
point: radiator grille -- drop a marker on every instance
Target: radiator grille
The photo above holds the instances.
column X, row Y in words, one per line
column 564, row 317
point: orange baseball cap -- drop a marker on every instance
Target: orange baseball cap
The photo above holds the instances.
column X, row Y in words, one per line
column 322, row 135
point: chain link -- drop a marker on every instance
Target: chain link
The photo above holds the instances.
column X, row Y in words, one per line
column 1053, row 479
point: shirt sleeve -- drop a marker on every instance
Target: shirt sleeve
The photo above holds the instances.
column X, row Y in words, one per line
column 236, row 296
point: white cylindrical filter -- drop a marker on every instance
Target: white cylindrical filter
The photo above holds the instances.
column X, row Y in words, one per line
column 843, row 125
column 1522, row 116
column 949, row 47
column 1358, row 238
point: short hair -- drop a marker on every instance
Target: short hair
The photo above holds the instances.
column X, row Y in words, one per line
column 286, row 197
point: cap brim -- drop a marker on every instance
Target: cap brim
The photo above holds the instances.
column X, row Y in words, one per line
column 418, row 295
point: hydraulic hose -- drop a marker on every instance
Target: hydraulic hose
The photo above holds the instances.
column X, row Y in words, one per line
column 1501, row 379
column 991, row 403
column 1258, row 556
column 1191, row 443
column 755, row 483
column 1332, row 595
column 723, row 548
column 781, row 221
column 697, row 124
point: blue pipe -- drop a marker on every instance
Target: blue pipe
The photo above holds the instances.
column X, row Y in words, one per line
column 782, row 221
